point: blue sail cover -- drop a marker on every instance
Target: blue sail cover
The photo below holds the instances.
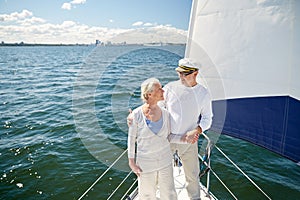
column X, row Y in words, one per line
column 248, row 52
column 271, row 122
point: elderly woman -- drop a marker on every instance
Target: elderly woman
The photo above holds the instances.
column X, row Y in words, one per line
column 151, row 161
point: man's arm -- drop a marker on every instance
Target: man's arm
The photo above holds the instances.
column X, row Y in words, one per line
column 204, row 123
column 206, row 115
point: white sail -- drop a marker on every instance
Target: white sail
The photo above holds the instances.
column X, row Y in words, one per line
column 247, row 47
column 249, row 56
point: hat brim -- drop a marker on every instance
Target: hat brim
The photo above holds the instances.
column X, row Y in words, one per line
column 179, row 69
column 185, row 69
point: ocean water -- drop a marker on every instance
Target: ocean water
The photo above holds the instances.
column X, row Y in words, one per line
column 63, row 123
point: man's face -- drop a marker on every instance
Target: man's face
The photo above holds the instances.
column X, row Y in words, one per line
column 187, row 79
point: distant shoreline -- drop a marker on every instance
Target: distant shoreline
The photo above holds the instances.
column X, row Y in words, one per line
column 41, row 44
column 28, row 44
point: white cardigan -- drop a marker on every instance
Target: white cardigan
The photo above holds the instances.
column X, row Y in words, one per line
column 153, row 151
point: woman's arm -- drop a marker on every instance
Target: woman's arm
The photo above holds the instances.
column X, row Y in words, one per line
column 131, row 142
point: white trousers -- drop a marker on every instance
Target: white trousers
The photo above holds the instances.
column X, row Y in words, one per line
column 190, row 163
column 148, row 183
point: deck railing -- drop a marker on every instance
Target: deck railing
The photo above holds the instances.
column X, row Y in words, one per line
column 205, row 160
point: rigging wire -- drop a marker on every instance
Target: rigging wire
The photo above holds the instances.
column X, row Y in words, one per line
column 129, row 189
column 237, row 167
column 119, row 185
column 223, row 184
column 242, row 172
column 101, row 175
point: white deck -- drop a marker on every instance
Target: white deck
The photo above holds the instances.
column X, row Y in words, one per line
column 180, row 187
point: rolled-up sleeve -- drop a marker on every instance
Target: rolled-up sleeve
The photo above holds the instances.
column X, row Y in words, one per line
column 131, row 141
column 206, row 114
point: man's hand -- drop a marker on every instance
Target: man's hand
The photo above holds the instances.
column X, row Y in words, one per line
column 192, row 136
column 129, row 118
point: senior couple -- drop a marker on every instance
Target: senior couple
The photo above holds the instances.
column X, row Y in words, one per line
column 171, row 119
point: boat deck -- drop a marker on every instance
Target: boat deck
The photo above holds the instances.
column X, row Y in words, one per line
column 180, row 188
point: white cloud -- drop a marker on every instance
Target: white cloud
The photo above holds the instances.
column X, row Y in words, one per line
column 111, row 21
column 68, row 24
column 24, row 26
column 148, row 24
column 139, row 23
column 78, row 2
column 66, row 6
column 157, row 34
column 23, row 14
column 16, row 16
column 32, row 20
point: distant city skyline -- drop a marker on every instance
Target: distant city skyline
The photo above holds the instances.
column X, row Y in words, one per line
column 85, row 21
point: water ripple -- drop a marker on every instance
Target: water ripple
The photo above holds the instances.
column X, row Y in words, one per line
column 51, row 146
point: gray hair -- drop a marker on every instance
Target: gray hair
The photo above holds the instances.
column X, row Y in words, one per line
column 147, row 86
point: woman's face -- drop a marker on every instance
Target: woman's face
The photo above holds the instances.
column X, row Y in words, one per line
column 157, row 93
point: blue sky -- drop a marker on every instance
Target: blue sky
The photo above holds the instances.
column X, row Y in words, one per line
column 27, row 19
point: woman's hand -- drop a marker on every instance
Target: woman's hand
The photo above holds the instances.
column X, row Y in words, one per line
column 134, row 167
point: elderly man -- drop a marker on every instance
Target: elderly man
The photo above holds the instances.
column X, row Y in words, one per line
column 190, row 108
